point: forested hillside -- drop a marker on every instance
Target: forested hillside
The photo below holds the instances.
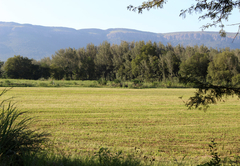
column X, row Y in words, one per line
column 139, row 61
column 38, row 41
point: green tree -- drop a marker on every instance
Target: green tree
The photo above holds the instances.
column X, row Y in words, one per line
column 120, row 56
column 66, row 60
column 56, row 72
column 91, row 52
column 43, row 68
column 212, row 53
column 125, row 70
column 136, row 49
column 141, row 67
column 81, row 71
column 188, row 53
column 163, row 67
column 237, row 53
column 179, row 51
column 223, row 67
column 1, row 69
column 103, row 61
column 20, row 67
column 86, row 65
column 195, row 66
column 44, row 71
column 172, row 62
column 156, row 73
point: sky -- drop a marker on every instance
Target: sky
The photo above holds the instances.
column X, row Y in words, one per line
column 105, row 14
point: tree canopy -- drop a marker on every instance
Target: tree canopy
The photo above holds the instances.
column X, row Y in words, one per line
column 216, row 10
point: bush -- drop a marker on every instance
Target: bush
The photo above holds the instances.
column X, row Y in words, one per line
column 136, row 81
column 102, row 81
column 42, row 84
column 155, row 84
column 16, row 139
column 117, row 81
column 7, row 82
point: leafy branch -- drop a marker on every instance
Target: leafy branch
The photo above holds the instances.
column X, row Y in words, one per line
column 208, row 93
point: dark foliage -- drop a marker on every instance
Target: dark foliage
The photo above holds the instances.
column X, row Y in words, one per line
column 16, row 137
column 208, row 93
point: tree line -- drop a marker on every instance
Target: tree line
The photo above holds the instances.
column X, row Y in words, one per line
column 130, row 60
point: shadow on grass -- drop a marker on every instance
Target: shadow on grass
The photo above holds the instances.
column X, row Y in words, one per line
column 102, row 158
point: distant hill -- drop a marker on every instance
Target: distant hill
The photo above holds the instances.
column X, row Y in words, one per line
column 37, row 42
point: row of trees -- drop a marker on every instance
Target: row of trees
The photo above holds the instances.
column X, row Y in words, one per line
column 135, row 60
column 217, row 11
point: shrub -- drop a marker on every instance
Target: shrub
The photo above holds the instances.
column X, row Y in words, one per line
column 155, row 84
column 42, row 79
column 42, row 84
column 102, row 81
column 117, row 81
column 7, row 82
column 16, row 139
column 136, row 81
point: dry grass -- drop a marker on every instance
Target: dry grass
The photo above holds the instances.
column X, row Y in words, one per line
column 152, row 120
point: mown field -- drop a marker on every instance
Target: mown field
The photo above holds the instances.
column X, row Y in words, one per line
column 148, row 122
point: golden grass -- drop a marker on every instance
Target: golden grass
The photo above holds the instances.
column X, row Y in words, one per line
column 153, row 120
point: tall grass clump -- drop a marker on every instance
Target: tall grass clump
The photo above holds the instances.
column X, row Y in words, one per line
column 16, row 138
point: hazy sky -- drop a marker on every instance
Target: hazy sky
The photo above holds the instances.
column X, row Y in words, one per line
column 104, row 14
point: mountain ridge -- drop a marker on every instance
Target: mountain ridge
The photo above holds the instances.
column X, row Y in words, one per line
column 36, row 41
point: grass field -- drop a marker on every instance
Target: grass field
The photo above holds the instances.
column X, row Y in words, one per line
column 147, row 122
